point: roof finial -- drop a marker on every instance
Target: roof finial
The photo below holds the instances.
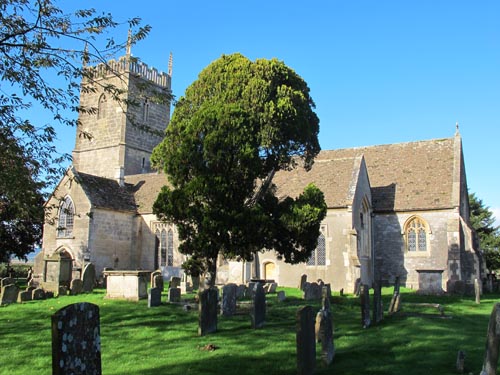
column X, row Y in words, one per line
column 170, row 64
column 457, row 129
column 85, row 55
column 129, row 44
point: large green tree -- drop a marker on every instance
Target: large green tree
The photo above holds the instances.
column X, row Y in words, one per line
column 483, row 221
column 41, row 53
column 238, row 124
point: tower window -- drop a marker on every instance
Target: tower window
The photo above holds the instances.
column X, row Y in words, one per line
column 145, row 110
column 101, row 107
column 66, row 218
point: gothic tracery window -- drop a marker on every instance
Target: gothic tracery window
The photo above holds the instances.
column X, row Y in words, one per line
column 66, row 218
column 101, row 107
column 416, row 235
column 318, row 256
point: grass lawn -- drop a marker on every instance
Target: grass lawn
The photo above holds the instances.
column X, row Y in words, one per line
column 163, row 340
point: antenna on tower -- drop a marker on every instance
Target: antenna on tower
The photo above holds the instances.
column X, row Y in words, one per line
column 129, row 44
column 170, row 64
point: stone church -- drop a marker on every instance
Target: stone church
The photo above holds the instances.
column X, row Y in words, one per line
column 393, row 210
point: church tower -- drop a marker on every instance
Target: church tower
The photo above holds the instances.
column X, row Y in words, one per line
column 119, row 137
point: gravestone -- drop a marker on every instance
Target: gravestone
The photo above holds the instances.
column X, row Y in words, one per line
column 24, row 296
column 312, row 291
column 195, row 280
column 490, row 362
column 378, row 307
column 159, row 283
column 272, row 288
column 251, row 289
column 357, row 287
column 174, row 295
column 305, row 339
column 395, row 304
column 477, row 291
column 460, row 361
column 228, row 306
column 152, row 280
column 88, row 278
column 324, row 332
column 303, row 281
column 175, row 282
column 63, row 290
column 365, row 305
column 207, row 319
column 241, row 291
column 258, row 313
column 9, row 294
column 38, row 294
column 6, row 281
column 76, row 340
column 76, row 287
column 154, row 297
column 281, row 296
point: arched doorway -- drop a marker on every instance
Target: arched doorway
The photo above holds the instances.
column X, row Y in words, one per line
column 270, row 271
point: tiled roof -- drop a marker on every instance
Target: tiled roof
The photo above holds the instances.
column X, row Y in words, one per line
column 145, row 188
column 407, row 176
column 106, row 193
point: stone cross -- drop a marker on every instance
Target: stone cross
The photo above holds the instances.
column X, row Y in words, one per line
column 258, row 312
column 88, row 278
column 207, row 320
column 228, row 306
column 365, row 305
column 154, row 297
column 76, row 340
column 306, row 345
column 492, row 343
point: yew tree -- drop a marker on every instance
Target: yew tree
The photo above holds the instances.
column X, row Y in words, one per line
column 237, row 125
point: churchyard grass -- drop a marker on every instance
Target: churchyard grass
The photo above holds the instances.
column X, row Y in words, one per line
column 163, row 340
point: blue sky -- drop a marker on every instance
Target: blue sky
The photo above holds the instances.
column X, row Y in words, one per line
column 379, row 71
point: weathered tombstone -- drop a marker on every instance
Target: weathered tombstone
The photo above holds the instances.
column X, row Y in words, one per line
column 378, row 308
column 241, row 291
column 6, row 281
column 76, row 287
column 38, row 294
column 24, row 296
column 49, row 294
column 207, row 321
column 365, row 306
column 395, row 304
column 492, row 343
column 154, row 297
column 258, row 313
column 159, row 283
column 281, row 296
column 460, row 361
column 312, row 291
column 174, row 295
column 303, row 280
column 152, row 278
column 306, row 344
column 76, row 340
column 88, row 278
column 324, row 334
column 63, row 290
column 250, row 289
column 272, row 288
column 9, row 294
column 228, row 306
column 357, row 287
column 175, row 282
column 477, row 291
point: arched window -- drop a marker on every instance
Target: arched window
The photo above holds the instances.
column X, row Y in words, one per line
column 163, row 247
column 416, row 235
column 101, row 107
column 318, row 256
column 66, row 218
column 170, row 248
column 145, row 110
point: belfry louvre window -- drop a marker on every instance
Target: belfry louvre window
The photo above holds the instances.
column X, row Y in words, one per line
column 318, row 256
column 416, row 235
column 66, row 218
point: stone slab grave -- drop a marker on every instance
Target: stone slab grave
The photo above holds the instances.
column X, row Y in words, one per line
column 154, row 297
column 88, row 278
column 126, row 284
column 76, row 340
column 207, row 318
column 258, row 311
column 306, row 341
column 228, row 305
column 8, row 294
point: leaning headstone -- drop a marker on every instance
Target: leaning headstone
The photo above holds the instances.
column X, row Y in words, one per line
column 357, row 287
column 76, row 287
column 9, row 294
column 477, row 291
column 228, row 306
column 306, row 345
column 6, row 281
column 175, row 282
column 460, row 361
column 272, row 288
column 24, row 296
column 76, row 340
column 365, row 306
column 281, row 296
column 88, row 278
column 303, row 281
column 378, row 308
column 154, row 297
column 395, row 304
column 38, row 294
column 492, row 343
column 258, row 313
column 174, row 295
column 207, row 322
